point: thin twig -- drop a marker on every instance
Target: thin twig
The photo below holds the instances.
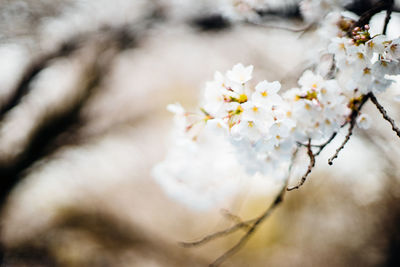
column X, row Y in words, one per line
column 352, row 121
column 385, row 115
column 310, row 166
column 349, row 133
column 244, row 224
column 251, row 231
column 321, row 146
column 327, row 142
column 230, row 216
column 251, row 225
column 257, row 221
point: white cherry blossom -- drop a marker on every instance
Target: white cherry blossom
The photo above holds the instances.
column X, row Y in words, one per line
column 240, row 74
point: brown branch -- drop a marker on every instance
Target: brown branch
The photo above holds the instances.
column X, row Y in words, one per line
column 323, row 145
column 216, row 235
column 251, row 225
column 327, row 142
column 385, row 115
column 252, row 229
column 352, row 120
column 230, row 216
column 349, row 133
column 388, row 14
column 367, row 15
column 310, row 166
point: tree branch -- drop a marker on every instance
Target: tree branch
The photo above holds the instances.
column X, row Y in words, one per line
column 349, row 133
column 250, row 225
column 353, row 117
column 252, row 229
column 310, row 166
column 367, row 15
column 206, row 239
column 385, row 115
column 388, row 14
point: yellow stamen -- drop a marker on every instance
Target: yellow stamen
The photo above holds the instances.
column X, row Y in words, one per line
column 239, row 110
column 242, row 98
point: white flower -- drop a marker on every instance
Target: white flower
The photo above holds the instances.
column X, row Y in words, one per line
column 363, row 121
column 176, row 109
column 278, row 133
column 241, row 9
column 219, row 126
column 382, row 67
column 393, row 50
column 200, row 175
column 357, row 57
column 266, row 94
column 246, row 129
column 214, row 97
column 362, row 80
column 338, row 47
column 315, row 10
column 310, row 81
column 255, row 112
column 376, row 45
column 240, row 74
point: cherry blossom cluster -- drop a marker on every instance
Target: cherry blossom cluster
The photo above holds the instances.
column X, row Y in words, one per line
column 365, row 59
column 258, row 120
column 263, row 124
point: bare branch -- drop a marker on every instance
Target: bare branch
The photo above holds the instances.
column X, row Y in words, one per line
column 310, row 166
column 250, row 225
column 385, row 115
column 352, row 119
column 349, row 133
column 388, row 14
column 230, row 216
column 366, row 16
column 322, row 146
column 216, row 235
column 253, row 228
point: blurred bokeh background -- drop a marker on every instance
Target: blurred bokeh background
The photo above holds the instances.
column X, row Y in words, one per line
column 83, row 90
